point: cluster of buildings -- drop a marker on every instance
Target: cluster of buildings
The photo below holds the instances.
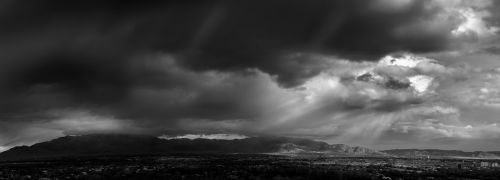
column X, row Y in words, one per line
column 426, row 163
column 489, row 164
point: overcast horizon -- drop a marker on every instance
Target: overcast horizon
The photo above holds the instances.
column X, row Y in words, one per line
column 381, row 74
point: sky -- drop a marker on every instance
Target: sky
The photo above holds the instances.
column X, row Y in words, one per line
column 381, row 73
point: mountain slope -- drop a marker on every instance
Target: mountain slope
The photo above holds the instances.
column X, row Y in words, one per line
column 94, row 145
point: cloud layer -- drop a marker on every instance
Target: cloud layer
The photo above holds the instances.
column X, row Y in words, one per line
column 331, row 70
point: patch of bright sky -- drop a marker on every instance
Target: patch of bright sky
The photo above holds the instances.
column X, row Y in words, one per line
column 405, row 60
column 420, row 82
column 3, row 148
column 205, row 136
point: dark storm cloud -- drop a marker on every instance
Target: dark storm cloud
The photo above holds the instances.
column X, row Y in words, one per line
column 219, row 35
column 88, row 54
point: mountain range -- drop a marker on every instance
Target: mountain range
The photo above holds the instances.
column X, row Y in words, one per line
column 101, row 144
column 119, row 144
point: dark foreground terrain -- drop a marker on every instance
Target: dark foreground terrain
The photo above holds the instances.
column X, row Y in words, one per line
column 249, row 166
